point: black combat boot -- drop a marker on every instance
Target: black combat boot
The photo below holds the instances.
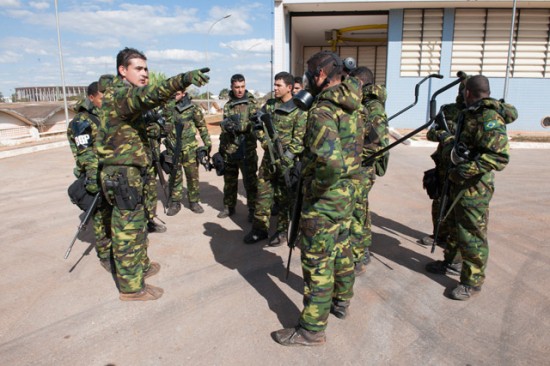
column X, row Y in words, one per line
column 339, row 309
column 173, row 208
column 153, row 227
column 227, row 211
column 442, row 267
column 196, row 207
column 299, row 336
column 464, row 292
column 254, row 236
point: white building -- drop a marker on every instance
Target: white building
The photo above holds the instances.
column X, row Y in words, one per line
column 404, row 41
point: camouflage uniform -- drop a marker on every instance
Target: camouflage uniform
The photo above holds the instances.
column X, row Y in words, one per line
column 483, row 132
column 192, row 120
column 332, row 156
column 126, row 158
column 376, row 137
column 82, row 135
column 290, row 124
column 152, row 146
column 441, row 158
column 239, row 151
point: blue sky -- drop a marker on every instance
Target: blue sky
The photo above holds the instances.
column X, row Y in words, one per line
column 174, row 35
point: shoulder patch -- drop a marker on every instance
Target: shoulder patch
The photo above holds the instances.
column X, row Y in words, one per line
column 490, row 125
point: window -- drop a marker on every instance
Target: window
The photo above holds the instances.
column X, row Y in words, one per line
column 421, row 45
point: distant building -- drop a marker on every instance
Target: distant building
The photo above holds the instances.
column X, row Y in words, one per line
column 48, row 93
column 22, row 122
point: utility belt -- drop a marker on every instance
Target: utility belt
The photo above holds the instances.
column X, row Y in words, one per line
column 119, row 189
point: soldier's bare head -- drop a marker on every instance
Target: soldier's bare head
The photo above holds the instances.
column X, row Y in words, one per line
column 94, row 95
column 282, row 86
column 477, row 87
column 238, row 85
column 364, row 74
column 132, row 66
column 298, row 84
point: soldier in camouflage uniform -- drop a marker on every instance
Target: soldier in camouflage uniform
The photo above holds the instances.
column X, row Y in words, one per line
column 437, row 133
column 481, row 148
column 289, row 123
column 181, row 111
column 332, row 156
column 238, row 147
column 120, row 145
column 82, row 135
column 376, row 137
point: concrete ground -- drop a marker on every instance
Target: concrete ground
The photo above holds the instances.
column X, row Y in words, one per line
column 223, row 299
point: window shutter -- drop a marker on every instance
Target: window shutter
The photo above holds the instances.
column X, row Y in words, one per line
column 421, row 44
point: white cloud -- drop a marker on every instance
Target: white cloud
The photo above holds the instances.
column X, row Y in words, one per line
column 8, row 57
column 102, row 43
column 10, row 3
column 175, row 54
column 28, row 45
column 254, row 67
column 249, row 45
column 39, row 5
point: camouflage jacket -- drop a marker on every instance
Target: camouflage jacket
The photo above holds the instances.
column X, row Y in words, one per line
column 441, row 155
column 334, row 138
column 122, row 133
column 192, row 119
column 290, row 124
column 82, row 136
column 376, row 125
column 245, row 138
column 484, row 134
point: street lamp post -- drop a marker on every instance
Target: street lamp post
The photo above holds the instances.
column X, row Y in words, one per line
column 207, row 34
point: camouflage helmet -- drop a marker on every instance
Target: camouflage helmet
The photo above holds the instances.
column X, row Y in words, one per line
column 375, row 91
column 104, row 82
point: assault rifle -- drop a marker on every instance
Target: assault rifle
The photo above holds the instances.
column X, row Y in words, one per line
column 176, row 160
column 84, row 222
column 274, row 144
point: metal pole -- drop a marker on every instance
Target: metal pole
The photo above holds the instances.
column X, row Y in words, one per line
column 207, row 35
column 505, row 92
column 61, row 66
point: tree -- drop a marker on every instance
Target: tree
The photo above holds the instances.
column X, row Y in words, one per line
column 224, row 93
column 2, row 98
column 156, row 77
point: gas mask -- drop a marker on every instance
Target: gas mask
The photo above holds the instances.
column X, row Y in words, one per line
column 305, row 97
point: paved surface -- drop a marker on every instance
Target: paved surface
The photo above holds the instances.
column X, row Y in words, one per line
column 223, row 298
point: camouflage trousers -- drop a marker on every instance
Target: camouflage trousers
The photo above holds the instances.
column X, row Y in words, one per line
column 271, row 188
column 327, row 260
column 190, row 167
column 128, row 227
column 102, row 230
column 361, row 234
column 468, row 233
column 248, row 167
column 150, row 192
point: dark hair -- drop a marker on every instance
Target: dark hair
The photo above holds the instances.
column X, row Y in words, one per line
column 364, row 74
column 327, row 61
column 237, row 78
column 93, row 88
column 124, row 56
column 286, row 77
column 299, row 80
column 478, row 85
